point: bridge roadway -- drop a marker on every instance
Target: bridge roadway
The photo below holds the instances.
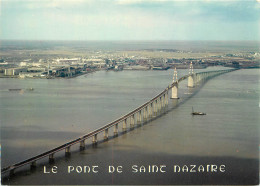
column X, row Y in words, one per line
column 154, row 101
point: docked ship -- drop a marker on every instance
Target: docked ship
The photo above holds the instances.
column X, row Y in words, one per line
column 160, row 67
column 15, row 89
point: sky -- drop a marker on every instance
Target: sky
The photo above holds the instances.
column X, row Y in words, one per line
column 130, row 19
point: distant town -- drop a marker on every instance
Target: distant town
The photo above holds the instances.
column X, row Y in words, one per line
column 63, row 64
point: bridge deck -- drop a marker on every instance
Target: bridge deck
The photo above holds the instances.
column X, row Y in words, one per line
column 99, row 130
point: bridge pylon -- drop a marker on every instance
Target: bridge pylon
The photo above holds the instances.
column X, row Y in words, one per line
column 191, row 76
column 175, row 85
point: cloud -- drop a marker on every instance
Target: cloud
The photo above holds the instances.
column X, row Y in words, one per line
column 56, row 3
column 39, row 4
column 128, row 19
column 127, row 2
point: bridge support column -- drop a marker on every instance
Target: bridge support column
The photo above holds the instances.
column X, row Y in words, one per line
column 160, row 104
column 82, row 145
column 167, row 97
column 148, row 112
column 165, row 100
column 33, row 165
column 203, row 76
column 198, row 78
column 11, row 173
column 195, row 79
column 124, row 125
column 51, row 158
column 151, row 110
column 132, row 123
column 145, row 113
column 191, row 81
column 175, row 92
column 116, row 129
column 139, row 118
column 94, row 139
column 162, row 101
column 106, row 134
column 67, row 151
column 155, row 107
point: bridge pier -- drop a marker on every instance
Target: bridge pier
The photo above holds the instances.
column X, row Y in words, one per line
column 132, row 121
column 67, row 151
column 145, row 113
column 124, row 125
column 11, row 173
column 94, row 140
column 155, row 107
column 163, row 101
column 191, row 77
column 203, row 76
column 151, row 110
column 175, row 85
column 139, row 117
column 82, row 145
column 116, row 130
column 175, row 92
column 33, row 165
column 148, row 112
column 191, row 81
column 106, row 134
column 160, row 104
column 167, row 97
column 198, row 78
column 51, row 158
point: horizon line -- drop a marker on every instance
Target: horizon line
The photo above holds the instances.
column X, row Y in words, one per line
column 119, row 40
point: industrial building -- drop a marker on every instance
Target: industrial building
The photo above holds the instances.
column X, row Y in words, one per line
column 14, row 71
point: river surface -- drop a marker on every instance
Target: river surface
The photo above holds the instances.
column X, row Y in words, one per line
column 59, row 110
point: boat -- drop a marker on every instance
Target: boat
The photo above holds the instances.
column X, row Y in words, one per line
column 14, row 89
column 197, row 113
column 160, row 67
column 30, row 89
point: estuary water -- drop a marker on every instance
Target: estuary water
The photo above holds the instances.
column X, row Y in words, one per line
column 59, row 110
